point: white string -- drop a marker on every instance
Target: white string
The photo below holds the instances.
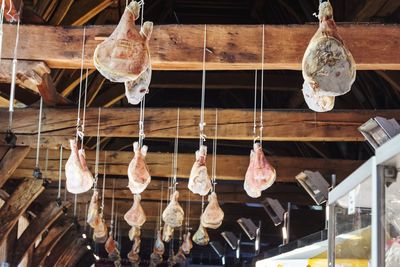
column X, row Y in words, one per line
column 39, row 132
column 104, row 184
column 203, row 90
column 188, row 214
column 75, row 205
column 255, row 109
column 141, row 121
column 262, row 86
column 78, row 119
column 96, row 168
column 175, row 159
column 46, row 162
column 202, row 204
column 214, row 160
column 13, row 79
column 142, row 13
column 161, row 204
column 84, row 108
column 112, row 207
column 60, row 173
column 3, row 5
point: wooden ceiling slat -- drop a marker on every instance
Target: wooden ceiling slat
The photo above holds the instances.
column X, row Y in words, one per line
column 59, row 124
column 10, row 162
column 61, row 12
column 179, row 47
column 83, row 11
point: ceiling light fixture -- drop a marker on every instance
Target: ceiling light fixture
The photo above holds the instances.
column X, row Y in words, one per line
column 315, row 185
column 379, row 130
column 274, row 210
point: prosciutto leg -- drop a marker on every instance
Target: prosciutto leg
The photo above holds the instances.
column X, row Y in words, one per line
column 213, row 215
column 135, row 216
column 138, row 172
column 173, row 214
column 199, row 182
column 79, row 178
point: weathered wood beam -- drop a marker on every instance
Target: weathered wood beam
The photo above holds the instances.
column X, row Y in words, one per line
column 371, row 8
column 72, row 253
column 94, row 88
column 11, row 161
column 49, row 93
column 179, row 47
column 17, row 204
column 69, row 237
column 36, row 228
column 230, row 167
column 59, row 124
column 29, row 73
column 81, row 12
column 67, row 90
column 61, row 12
column 55, row 234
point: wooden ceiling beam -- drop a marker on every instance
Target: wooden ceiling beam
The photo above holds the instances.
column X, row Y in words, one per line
column 36, row 228
column 73, row 253
column 54, row 235
column 10, row 162
column 81, row 11
column 59, row 124
column 233, row 47
column 230, row 167
column 17, row 204
column 50, row 95
column 61, row 12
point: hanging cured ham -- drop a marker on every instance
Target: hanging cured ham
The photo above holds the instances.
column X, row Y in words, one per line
column 168, row 232
column 135, row 216
column 134, row 232
column 155, row 259
column 328, row 67
column 138, row 172
column 159, row 247
column 199, row 182
column 201, row 236
column 93, row 211
column 111, row 247
column 79, row 178
column 260, row 174
column 187, row 244
column 133, row 255
column 135, row 90
column 173, row 214
column 100, row 231
column 180, row 257
column 213, row 215
column 124, row 56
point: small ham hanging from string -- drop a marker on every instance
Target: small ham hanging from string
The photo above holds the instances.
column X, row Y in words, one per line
column 133, row 255
column 79, row 178
column 201, row 237
column 260, row 174
column 138, row 172
column 135, row 216
column 199, row 182
column 187, row 244
column 173, row 214
column 213, row 215
column 328, row 67
column 100, row 231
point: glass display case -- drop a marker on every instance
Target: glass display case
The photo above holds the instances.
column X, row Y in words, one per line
column 364, row 212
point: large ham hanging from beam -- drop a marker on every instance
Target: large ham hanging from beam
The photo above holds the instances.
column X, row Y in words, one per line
column 173, row 213
column 79, row 178
column 213, row 215
column 124, row 55
column 328, row 67
column 135, row 215
column 199, row 182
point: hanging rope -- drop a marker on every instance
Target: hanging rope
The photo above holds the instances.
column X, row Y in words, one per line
column 175, row 159
column 46, row 164
column 78, row 119
column 59, row 176
column 188, row 214
column 104, row 185
column 112, row 208
column 3, row 5
column 36, row 172
column 202, row 204
column 116, row 223
column 214, row 159
column 86, row 213
column 96, row 168
column 203, row 91
column 141, row 122
column 161, row 204
column 75, row 200
column 84, row 108
column 255, row 137
column 13, row 79
column 142, row 13
column 262, row 86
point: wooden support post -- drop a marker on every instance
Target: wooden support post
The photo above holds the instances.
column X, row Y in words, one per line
column 17, row 204
column 73, row 253
column 11, row 161
column 36, row 228
column 49, row 93
column 55, row 234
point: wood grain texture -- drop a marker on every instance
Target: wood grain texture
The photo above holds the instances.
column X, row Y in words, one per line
column 36, row 228
column 55, row 234
column 81, row 12
column 17, row 204
column 233, row 47
column 230, row 167
column 10, row 162
column 73, row 253
column 59, row 124
column 49, row 93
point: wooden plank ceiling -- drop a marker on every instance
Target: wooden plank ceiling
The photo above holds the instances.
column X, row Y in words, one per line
column 295, row 138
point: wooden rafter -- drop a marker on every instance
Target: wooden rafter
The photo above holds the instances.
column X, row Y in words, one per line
column 10, row 162
column 81, row 11
column 73, row 253
column 61, row 12
column 50, row 94
column 17, row 204
column 230, row 167
column 36, row 228
column 59, row 125
column 179, row 47
column 54, row 235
